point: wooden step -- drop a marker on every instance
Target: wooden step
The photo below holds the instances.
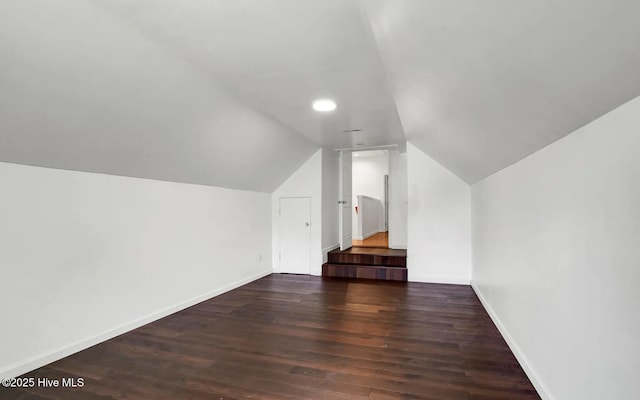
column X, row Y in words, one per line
column 369, row 256
column 385, row 273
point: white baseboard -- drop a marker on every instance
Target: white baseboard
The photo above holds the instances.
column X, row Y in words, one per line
column 368, row 235
column 439, row 279
column 37, row 362
column 398, row 246
column 542, row 389
column 327, row 249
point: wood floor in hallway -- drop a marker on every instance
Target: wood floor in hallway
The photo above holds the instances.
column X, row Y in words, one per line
column 380, row 239
column 304, row 337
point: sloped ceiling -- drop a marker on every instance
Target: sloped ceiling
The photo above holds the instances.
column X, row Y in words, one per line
column 218, row 92
column 481, row 84
column 81, row 89
column 279, row 56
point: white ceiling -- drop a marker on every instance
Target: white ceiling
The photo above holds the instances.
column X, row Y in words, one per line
column 81, row 89
column 279, row 56
column 219, row 91
column 481, row 84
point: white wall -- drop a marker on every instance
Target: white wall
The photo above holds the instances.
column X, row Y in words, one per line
column 85, row 256
column 398, row 202
column 556, row 244
column 439, row 226
column 368, row 218
column 330, row 207
column 368, row 180
column 304, row 182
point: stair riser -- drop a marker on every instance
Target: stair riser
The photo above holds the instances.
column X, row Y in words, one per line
column 367, row 259
column 364, row 272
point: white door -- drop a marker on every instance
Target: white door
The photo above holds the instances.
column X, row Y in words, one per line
column 295, row 235
column 346, row 230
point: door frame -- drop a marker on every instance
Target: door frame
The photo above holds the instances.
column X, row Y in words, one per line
column 345, row 200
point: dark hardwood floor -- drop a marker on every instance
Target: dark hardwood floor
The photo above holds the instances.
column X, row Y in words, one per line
column 302, row 337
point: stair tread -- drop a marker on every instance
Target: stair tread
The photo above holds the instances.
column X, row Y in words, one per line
column 381, row 251
column 364, row 271
column 366, row 265
column 366, row 259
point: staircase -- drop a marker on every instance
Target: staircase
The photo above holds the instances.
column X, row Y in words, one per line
column 367, row 263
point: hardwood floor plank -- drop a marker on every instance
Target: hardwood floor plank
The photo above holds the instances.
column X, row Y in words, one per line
column 302, row 337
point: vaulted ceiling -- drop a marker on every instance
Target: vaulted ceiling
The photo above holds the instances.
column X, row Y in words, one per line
column 481, row 84
column 218, row 92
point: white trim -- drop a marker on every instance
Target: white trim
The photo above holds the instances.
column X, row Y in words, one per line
column 439, row 279
column 37, row 362
column 365, row 237
column 533, row 376
column 398, row 246
column 325, row 256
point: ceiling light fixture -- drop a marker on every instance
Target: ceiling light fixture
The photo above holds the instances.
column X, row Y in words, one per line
column 324, row 105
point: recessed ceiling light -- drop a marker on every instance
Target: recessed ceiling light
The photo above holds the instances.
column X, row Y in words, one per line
column 356, row 155
column 324, row 105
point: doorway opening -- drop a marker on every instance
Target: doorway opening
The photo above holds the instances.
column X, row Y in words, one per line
column 370, row 198
column 371, row 194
